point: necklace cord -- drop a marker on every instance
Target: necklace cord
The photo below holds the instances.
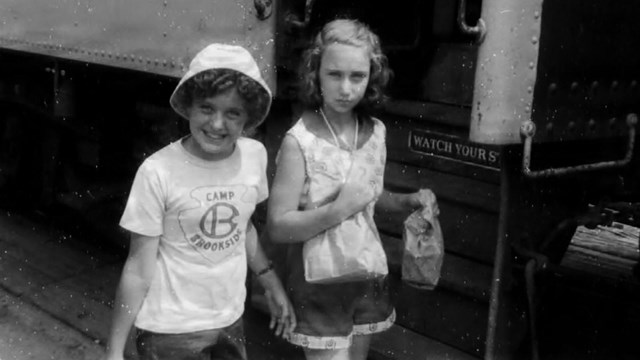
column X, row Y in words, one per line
column 333, row 133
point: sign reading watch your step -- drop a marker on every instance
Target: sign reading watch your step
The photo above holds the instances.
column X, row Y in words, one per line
column 450, row 147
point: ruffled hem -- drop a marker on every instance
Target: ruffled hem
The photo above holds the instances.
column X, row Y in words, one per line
column 341, row 342
column 367, row 329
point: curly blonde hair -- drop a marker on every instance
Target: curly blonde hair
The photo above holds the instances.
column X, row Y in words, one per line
column 347, row 32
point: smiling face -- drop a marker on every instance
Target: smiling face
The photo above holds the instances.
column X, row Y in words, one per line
column 343, row 75
column 216, row 123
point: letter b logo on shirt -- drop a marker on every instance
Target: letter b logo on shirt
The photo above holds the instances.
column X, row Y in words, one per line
column 218, row 221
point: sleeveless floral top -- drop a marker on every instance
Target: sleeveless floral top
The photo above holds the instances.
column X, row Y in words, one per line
column 327, row 167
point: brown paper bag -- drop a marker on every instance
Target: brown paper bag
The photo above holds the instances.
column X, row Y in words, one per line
column 423, row 245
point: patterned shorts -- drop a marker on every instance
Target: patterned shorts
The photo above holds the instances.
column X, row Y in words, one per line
column 329, row 315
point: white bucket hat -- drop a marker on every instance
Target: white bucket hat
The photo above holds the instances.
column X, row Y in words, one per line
column 221, row 56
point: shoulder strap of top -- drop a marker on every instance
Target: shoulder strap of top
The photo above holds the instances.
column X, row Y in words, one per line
column 303, row 136
column 299, row 132
column 378, row 126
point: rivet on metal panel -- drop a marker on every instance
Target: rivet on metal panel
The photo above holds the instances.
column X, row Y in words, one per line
column 571, row 127
column 614, row 86
column 552, row 89
column 536, row 14
column 594, row 89
column 534, row 40
column 532, row 65
column 591, row 125
column 530, row 89
column 632, row 119
column 574, row 87
column 549, row 129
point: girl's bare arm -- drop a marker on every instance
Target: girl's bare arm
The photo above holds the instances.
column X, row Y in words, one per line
column 286, row 222
column 403, row 204
column 283, row 319
column 134, row 283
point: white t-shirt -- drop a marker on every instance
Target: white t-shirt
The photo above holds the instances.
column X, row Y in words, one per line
column 200, row 211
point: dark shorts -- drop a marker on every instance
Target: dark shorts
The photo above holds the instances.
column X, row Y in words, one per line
column 329, row 315
column 227, row 343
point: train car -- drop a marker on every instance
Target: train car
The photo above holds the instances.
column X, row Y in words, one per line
column 520, row 115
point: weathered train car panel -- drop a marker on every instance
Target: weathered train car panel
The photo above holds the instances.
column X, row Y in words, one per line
column 569, row 66
column 505, row 70
column 152, row 36
column 588, row 66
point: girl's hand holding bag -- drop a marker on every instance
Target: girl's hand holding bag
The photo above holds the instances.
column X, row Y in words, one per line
column 423, row 245
column 351, row 250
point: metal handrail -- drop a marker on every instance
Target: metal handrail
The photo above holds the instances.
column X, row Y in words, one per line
column 528, row 129
column 478, row 31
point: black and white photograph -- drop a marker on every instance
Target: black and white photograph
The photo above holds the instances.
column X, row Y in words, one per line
column 178, row 179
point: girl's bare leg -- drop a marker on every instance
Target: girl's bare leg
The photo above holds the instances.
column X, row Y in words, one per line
column 339, row 354
column 360, row 347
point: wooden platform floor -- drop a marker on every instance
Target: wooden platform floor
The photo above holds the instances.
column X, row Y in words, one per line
column 592, row 306
column 606, row 251
column 56, row 293
column 57, row 285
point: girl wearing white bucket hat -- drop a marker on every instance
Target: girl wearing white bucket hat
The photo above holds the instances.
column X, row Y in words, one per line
column 183, row 284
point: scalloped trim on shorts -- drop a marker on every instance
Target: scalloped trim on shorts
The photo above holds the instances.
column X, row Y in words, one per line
column 341, row 342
